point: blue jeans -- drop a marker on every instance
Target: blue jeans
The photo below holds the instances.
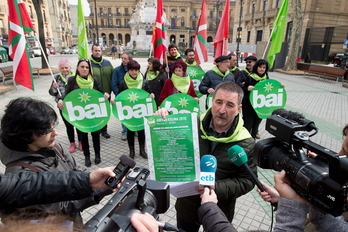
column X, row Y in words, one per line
column 124, row 129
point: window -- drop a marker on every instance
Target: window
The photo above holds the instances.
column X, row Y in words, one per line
column 253, row 6
column 279, row 2
column 182, row 10
column 288, row 32
column 109, row 10
column 259, row 35
column 182, row 22
column 248, row 37
column 100, row 10
column 173, row 10
column 118, row 22
column 110, row 22
column 265, row 5
column 194, row 24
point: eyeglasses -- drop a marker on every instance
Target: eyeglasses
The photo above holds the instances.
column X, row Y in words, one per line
column 52, row 128
column 248, row 62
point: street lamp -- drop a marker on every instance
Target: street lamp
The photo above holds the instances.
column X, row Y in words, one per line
column 96, row 21
column 239, row 31
column 117, row 35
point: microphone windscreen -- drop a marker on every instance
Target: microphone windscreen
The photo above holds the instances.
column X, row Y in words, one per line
column 208, row 163
column 127, row 160
column 237, row 155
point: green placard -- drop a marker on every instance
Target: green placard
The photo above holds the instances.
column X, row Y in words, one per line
column 180, row 103
column 209, row 100
column 172, row 146
column 131, row 106
column 86, row 109
column 267, row 96
column 196, row 75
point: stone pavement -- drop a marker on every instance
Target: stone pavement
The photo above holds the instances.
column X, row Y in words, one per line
column 323, row 101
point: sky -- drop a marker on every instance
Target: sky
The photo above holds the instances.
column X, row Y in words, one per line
column 85, row 4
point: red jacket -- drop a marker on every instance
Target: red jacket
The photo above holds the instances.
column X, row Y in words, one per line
column 168, row 89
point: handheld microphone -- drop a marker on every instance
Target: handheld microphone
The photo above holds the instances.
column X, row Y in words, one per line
column 120, row 170
column 208, row 169
column 239, row 158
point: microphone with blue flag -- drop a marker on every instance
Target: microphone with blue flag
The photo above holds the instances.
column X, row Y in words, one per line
column 208, row 169
column 239, row 158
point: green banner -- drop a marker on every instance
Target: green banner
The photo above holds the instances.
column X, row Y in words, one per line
column 172, row 146
column 131, row 106
column 267, row 96
column 86, row 109
column 196, row 75
column 180, row 103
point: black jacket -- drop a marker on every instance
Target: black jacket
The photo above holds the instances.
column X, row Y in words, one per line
column 29, row 188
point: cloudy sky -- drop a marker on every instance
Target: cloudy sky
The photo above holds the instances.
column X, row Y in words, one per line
column 84, row 3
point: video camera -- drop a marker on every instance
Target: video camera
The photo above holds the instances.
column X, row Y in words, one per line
column 321, row 179
column 136, row 194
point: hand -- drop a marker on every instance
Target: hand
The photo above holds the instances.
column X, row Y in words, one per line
column 196, row 98
column 250, row 87
column 144, row 222
column 55, row 85
column 60, row 104
column 271, row 195
column 166, row 69
column 211, row 91
column 106, row 95
column 162, row 112
column 282, row 185
column 208, row 196
column 152, row 95
column 97, row 178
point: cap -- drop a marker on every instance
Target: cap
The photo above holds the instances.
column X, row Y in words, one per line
column 222, row 58
column 251, row 58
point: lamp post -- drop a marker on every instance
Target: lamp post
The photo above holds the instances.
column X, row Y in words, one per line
column 96, row 21
column 217, row 7
column 117, row 35
column 239, row 31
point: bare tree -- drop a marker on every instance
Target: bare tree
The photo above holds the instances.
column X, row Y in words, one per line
column 37, row 6
column 295, row 37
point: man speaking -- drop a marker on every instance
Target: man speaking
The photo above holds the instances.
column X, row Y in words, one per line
column 221, row 127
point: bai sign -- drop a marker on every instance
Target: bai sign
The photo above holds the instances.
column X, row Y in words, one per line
column 180, row 103
column 267, row 96
column 196, row 75
column 86, row 109
column 131, row 106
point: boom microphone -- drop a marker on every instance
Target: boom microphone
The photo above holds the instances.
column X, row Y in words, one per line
column 208, row 169
column 239, row 158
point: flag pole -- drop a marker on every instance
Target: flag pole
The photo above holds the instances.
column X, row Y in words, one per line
column 267, row 45
column 48, row 64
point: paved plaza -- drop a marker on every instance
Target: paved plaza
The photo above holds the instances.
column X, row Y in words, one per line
column 323, row 101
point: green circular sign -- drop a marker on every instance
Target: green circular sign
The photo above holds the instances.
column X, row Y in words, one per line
column 267, row 96
column 86, row 109
column 131, row 106
column 180, row 103
column 196, row 74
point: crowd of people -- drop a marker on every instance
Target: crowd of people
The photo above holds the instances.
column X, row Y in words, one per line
column 33, row 158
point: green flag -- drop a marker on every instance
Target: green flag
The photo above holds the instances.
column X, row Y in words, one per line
column 277, row 33
column 82, row 39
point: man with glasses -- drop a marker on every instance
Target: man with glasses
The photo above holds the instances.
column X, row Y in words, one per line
column 102, row 69
column 219, row 73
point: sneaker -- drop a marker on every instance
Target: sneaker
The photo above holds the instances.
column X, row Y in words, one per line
column 105, row 135
column 80, row 146
column 72, row 147
column 124, row 137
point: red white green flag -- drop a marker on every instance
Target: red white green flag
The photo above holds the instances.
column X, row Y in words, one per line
column 26, row 21
column 17, row 47
column 159, row 34
column 221, row 38
column 200, row 41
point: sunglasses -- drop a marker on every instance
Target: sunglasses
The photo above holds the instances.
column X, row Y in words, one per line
column 51, row 129
column 248, row 62
column 83, row 59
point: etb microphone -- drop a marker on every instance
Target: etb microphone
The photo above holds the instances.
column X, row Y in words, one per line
column 239, row 158
column 208, row 169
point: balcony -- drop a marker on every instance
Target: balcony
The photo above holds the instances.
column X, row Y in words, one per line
column 193, row 17
column 271, row 13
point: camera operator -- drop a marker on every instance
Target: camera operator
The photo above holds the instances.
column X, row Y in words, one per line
column 28, row 188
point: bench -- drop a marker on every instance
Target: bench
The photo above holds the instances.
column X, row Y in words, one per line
column 7, row 72
column 325, row 71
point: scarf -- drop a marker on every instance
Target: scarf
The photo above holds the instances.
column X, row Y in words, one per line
column 257, row 77
column 97, row 60
column 151, row 75
column 247, row 71
column 193, row 64
column 182, row 84
column 85, row 83
column 134, row 84
column 176, row 57
column 62, row 77
column 233, row 69
column 218, row 72
column 240, row 132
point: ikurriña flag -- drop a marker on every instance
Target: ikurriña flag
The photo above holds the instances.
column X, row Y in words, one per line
column 221, row 38
column 200, row 41
column 26, row 21
column 159, row 34
column 82, row 37
column 277, row 33
column 22, row 73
